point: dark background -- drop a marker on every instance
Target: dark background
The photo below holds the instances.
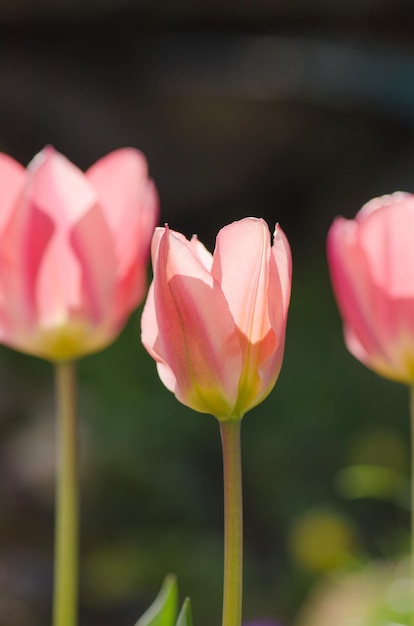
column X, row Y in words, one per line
column 295, row 111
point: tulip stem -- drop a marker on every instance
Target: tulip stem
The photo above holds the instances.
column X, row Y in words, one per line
column 233, row 523
column 412, row 489
column 65, row 598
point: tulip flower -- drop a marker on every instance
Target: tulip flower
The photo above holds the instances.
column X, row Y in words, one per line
column 73, row 254
column 73, row 250
column 215, row 325
column 371, row 260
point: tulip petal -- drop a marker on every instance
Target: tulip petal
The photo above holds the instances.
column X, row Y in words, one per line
column 280, row 277
column 93, row 245
column 115, row 178
column 354, row 290
column 149, row 325
column 241, row 265
column 132, row 278
column 130, row 204
column 203, row 255
column 128, row 199
column 58, row 188
column 25, row 232
column 197, row 337
column 282, row 267
column 386, row 236
column 150, row 339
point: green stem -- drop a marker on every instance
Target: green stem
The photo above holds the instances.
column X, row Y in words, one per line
column 233, row 523
column 65, row 599
column 412, row 489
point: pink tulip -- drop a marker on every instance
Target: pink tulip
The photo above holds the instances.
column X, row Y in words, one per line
column 73, row 250
column 215, row 324
column 371, row 261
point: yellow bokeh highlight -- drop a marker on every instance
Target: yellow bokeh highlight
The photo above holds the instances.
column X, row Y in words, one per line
column 321, row 540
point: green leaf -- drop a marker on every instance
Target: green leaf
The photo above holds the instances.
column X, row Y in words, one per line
column 185, row 618
column 164, row 608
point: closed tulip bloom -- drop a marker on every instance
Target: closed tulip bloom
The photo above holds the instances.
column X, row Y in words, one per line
column 371, row 260
column 73, row 250
column 215, row 324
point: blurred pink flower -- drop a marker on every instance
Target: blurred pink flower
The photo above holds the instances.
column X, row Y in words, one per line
column 73, row 250
column 215, row 324
column 371, row 260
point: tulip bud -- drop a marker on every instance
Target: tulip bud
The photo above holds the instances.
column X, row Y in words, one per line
column 215, row 324
column 73, row 250
column 371, row 260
